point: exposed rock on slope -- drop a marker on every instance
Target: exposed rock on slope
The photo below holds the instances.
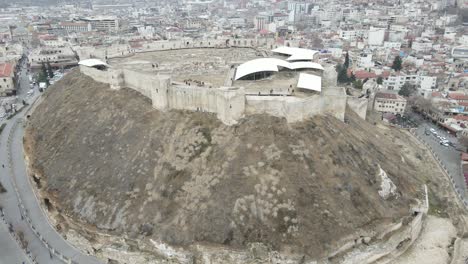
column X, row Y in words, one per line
column 110, row 160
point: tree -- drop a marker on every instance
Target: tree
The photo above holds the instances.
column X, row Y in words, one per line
column 419, row 102
column 407, row 90
column 397, row 63
column 346, row 61
column 342, row 74
column 44, row 69
column 379, row 80
column 358, row 84
column 43, row 76
column 352, row 78
column 49, row 70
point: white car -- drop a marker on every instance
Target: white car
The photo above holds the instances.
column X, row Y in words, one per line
column 444, row 143
column 432, row 130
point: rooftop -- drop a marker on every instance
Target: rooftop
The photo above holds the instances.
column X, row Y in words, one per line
column 388, row 95
column 458, row 96
column 6, row 70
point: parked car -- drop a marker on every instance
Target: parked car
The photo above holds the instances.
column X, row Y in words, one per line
column 444, row 143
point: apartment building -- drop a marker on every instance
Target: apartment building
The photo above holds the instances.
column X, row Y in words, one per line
column 76, row 27
column 386, row 102
column 396, row 82
column 103, row 23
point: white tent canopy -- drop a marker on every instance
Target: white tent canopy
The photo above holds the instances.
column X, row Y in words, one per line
column 259, row 65
column 271, row 65
column 296, row 54
column 310, row 82
column 93, row 63
column 305, row 65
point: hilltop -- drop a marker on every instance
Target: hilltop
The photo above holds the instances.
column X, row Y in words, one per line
column 107, row 161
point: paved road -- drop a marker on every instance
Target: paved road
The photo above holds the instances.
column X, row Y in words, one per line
column 22, row 218
column 449, row 156
column 10, row 249
column 10, row 252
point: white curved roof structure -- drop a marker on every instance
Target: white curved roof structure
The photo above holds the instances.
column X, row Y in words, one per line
column 296, row 54
column 310, row 82
column 93, row 63
column 260, row 65
column 271, row 65
column 305, row 65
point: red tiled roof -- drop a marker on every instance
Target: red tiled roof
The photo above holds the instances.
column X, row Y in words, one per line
column 465, row 104
column 464, row 156
column 448, row 127
column 458, row 96
column 385, row 74
column 461, row 118
column 386, row 95
column 436, row 94
column 364, row 75
column 6, row 69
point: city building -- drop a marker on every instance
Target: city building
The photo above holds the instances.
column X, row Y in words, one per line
column 71, row 27
column 7, row 79
column 104, row 23
column 387, row 102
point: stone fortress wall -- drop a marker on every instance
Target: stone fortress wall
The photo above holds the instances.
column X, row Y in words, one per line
column 161, row 45
column 230, row 104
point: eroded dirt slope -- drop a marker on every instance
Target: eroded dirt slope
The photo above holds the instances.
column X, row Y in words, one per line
column 111, row 161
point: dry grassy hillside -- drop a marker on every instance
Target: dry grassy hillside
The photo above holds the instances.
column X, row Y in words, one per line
column 109, row 160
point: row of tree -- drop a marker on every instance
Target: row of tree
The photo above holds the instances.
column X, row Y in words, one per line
column 46, row 73
column 344, row 78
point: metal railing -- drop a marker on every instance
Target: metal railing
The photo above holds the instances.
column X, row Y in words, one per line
column 444, row 169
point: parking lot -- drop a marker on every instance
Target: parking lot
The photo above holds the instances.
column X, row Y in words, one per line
column 449, row 154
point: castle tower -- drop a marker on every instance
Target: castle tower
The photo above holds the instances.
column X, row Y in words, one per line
column 160, row 92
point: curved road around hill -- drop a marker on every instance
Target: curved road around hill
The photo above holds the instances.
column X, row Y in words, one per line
column 22, row 211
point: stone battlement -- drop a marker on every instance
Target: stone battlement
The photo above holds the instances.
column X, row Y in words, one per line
column 230, row 104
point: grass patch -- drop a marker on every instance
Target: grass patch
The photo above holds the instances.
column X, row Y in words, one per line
column 436, row 206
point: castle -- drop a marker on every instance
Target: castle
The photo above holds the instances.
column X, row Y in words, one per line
column 229, row 103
